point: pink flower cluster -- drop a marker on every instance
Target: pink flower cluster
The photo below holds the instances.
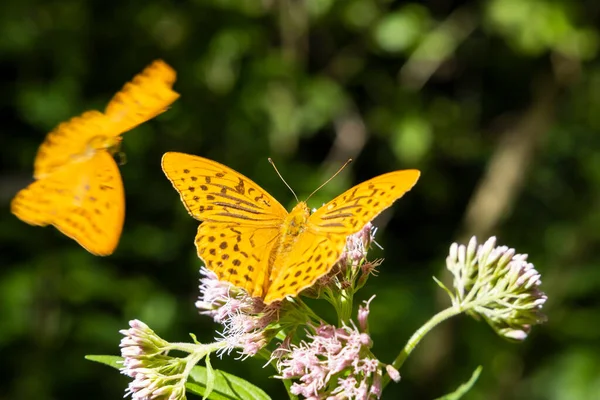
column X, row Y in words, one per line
column 352, row 269
column 334, row 363
column 244, row 318
column 221, row 300
column 357, row 245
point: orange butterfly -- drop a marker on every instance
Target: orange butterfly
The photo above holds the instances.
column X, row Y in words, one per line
column 249, row 239
column 77, row 186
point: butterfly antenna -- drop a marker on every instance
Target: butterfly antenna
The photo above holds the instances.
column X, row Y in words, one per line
column 281, row 177
column 328, row 180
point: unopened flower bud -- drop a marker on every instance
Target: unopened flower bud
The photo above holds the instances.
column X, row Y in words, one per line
column 496, row 283
column 155, row 375
column 393, row 373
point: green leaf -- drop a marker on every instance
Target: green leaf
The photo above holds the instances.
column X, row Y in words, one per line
column 210, row 377
column 225, row 386
column 464, row 388
column 111, row 361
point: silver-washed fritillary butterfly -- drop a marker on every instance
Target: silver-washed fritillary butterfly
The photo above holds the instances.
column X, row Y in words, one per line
column 77, row 186
column 249, row 239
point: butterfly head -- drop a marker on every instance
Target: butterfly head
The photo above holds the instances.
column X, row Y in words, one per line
column 102, row 142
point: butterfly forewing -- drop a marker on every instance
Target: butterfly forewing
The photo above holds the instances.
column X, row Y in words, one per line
column 350, row 211
column 146, row 96
column 68, row 142
column 83, row 200
column 215, row 193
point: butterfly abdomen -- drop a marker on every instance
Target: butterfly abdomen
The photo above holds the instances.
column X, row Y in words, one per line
column 290, row 230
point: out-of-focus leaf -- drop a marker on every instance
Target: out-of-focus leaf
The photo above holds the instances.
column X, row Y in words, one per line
column 360, row 14
column 318, row 8
column 412, row 139
column 400, row 30
column 322, row 101
column 221, row 67
column 535, row 26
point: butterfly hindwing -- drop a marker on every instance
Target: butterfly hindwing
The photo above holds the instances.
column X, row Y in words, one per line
column 237, row 254
column 312, row 256
column 84, row 200
column 95, row 219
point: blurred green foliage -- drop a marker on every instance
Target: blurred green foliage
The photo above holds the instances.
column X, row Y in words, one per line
column 443, row 86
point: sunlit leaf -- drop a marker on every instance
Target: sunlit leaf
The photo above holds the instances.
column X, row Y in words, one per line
column 224, row 387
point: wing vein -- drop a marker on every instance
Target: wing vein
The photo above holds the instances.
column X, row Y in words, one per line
column 344, row 215
column 239, row 200
column 238, row 207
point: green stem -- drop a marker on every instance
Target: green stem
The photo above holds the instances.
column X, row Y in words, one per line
column 266, row 354
column 196, row 353
column 288, row 387
column 197, row 348
column 308, row 311
column 345, row 307
column 418, row 335
column 192, row 360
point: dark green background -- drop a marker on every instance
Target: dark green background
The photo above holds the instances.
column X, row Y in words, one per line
column 500, row 95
